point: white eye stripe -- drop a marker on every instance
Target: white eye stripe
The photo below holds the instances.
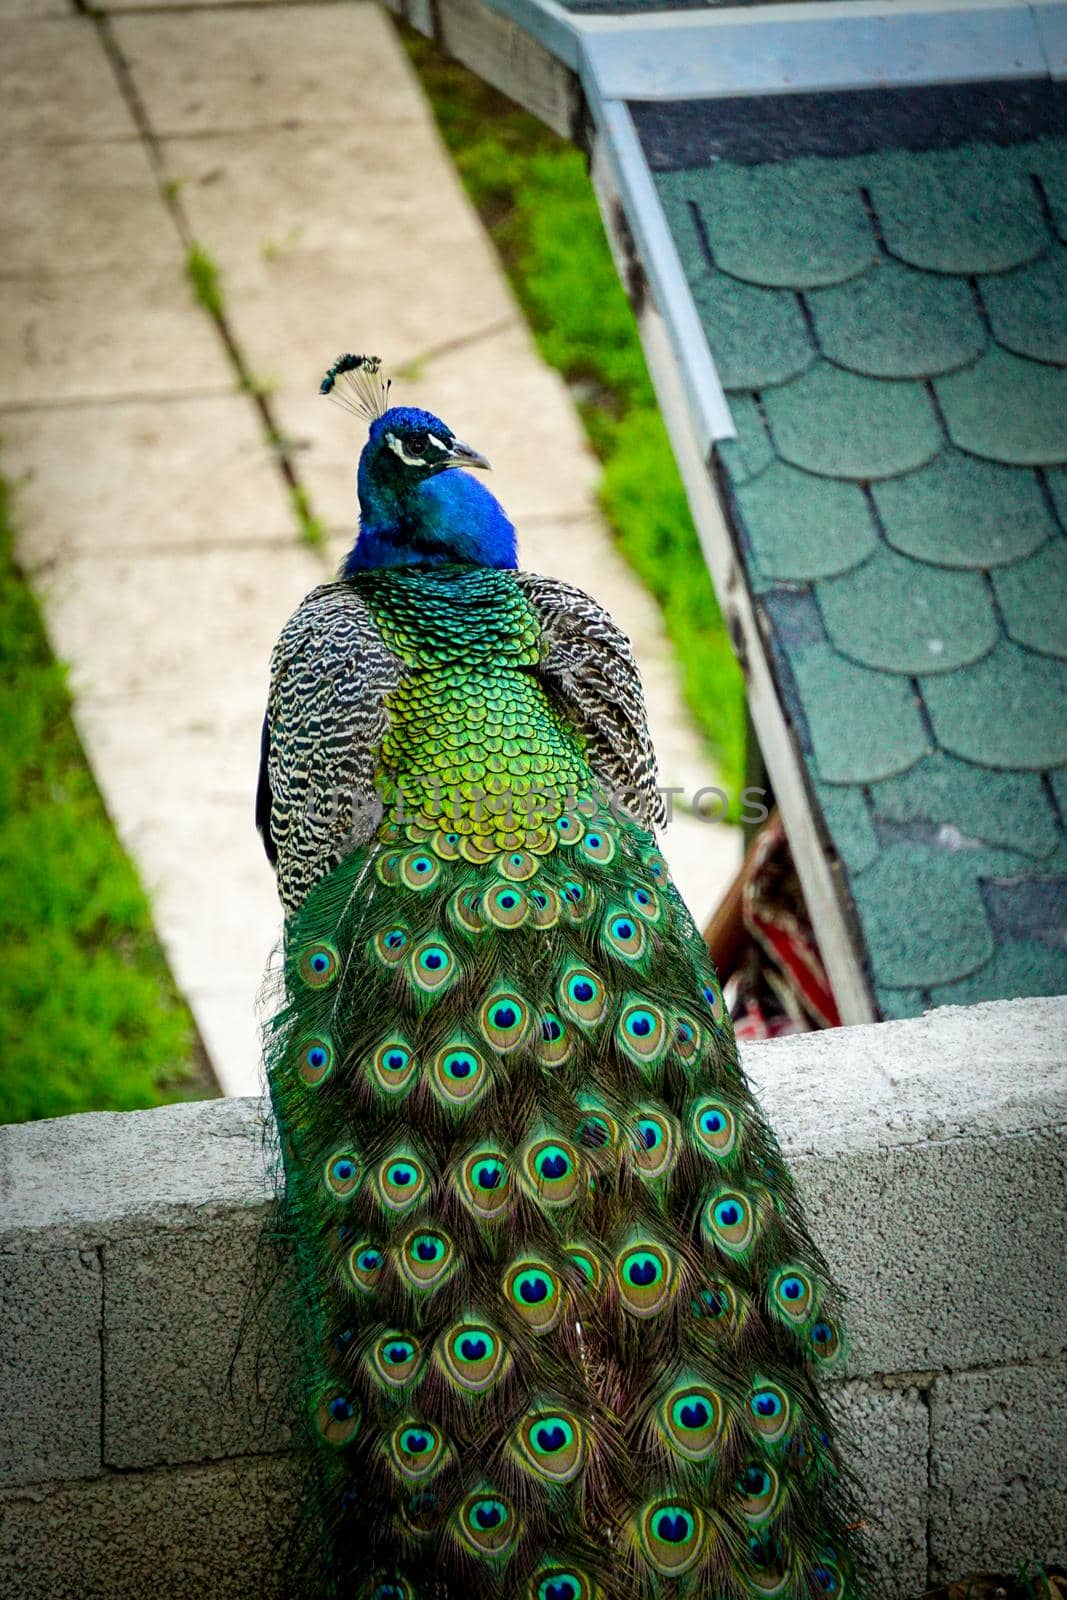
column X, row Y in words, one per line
column 397, row 447
column 435, row 441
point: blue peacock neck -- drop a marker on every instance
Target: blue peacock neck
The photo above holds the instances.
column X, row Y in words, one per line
column 438, row 520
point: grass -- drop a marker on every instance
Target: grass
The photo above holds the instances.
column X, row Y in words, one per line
column 533, row 193
column 89, row 1015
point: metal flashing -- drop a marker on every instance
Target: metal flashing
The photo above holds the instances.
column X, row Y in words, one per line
column 659, row 256
column 758, row 15
column 814, row 44
column 761, row 53
column 1050, row 19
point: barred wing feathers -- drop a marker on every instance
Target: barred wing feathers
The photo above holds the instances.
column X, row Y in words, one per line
column 331, row 674
column 589, row 663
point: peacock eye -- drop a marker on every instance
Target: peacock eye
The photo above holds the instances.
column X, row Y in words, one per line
column 416, row 444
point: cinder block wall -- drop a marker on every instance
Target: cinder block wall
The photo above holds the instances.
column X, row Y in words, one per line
column 139, row 1458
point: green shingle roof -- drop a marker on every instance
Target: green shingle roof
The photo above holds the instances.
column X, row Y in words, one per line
column 890, row 324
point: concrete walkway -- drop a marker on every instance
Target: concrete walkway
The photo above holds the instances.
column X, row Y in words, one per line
column 293, row 143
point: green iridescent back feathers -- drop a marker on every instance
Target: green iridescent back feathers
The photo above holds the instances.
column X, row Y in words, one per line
column 564, row 1322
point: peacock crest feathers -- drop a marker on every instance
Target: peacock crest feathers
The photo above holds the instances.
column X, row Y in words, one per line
column 357, row 384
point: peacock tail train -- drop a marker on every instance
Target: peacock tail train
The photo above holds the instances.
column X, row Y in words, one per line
column 564, row 1321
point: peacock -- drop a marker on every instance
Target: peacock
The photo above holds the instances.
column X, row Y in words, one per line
column 563, row 1325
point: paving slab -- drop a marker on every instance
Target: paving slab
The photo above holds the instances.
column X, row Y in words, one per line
column 93, row 296
column 230, row 1019
column 197, row 627
column 72, row 208
column 95, row 335
column 59, row 85
column 141, row 476
column 336, row 239
column 287, row 65
column 201, row 757
column 218, row 917
column 17, row 10
column 176, row 5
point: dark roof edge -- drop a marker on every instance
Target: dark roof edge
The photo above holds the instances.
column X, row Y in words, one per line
column 751, row 129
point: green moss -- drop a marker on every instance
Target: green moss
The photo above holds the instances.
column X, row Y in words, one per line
column 274, row 249
column 311, row 529
column 534, row 195
column 205, row 278
column 89, row 1015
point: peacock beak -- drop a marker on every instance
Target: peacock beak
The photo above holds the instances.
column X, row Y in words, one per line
column 461, row 455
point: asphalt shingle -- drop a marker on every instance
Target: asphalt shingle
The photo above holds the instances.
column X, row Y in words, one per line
column 962, row 512
column 803, row 527
column 897, row 1004
column 840, row 425
column 1033, row 598
column 761, row 337
column 1017, row 967
column 791, row 226
column 959, row 211
column 752, row 451
column 1058, row 785
column 849, row 821
column 1028, row 308
column 999, row 808
column 1007, row 409
column 923, row 916
column 864, row 725
column 1045, row 162
column 1056, row 479
column 1007, row 711
column 904, row 616
column 892, row 322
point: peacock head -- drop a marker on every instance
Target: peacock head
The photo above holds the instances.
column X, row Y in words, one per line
column 415, row 508
column 406, row 446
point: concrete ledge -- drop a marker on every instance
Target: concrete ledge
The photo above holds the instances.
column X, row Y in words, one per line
column 927, row 1153
column 213, row 1533
column 998, row 1483
column 931, row 1158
